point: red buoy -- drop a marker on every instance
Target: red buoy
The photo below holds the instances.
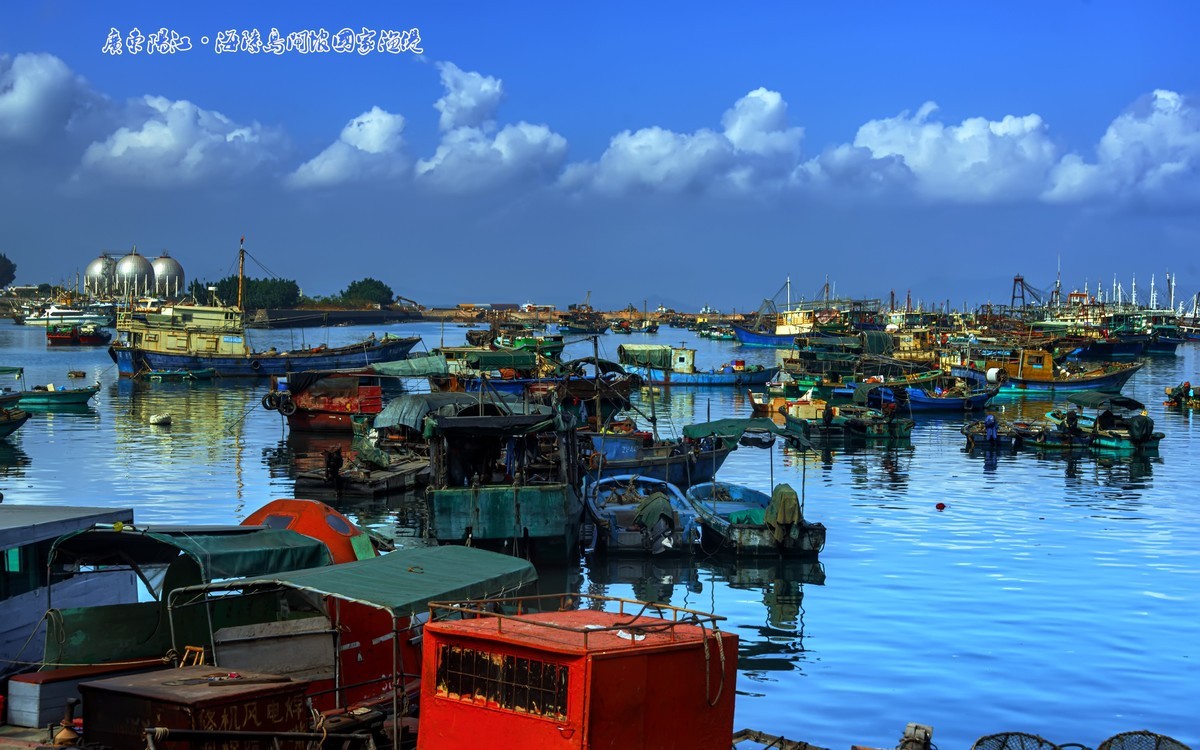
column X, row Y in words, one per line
column 941, row 506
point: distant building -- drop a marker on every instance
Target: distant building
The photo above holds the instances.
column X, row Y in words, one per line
column 531, row 307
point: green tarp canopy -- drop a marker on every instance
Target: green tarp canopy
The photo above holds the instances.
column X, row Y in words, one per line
column 413, row 367
column 403, row 582
column 409, row 410
column 513, row 359
column 878, row 342
column 523, row 419
column 17, row 371
column 645, row 355
column 735, row 428
column 1099, row 400
column 221, row 552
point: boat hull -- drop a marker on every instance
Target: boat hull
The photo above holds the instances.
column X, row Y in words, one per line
column 726, row 511
column 67, row 397
column 655, row 376
column 747, row 337
column 613, row 504
column 681, row 470
column 132, row 361
column 544, row 519
column 11, row 421
column 1110, row 381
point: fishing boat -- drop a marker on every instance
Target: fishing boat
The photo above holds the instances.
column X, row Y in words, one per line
column 44, row 396
column 667, row 365
column 55, row 315
column 749, row 522
column 504, row 474
column 1182, row 396
column 1114, row 427
column 202, row 337
column 925, row 393
column 1034, row 369
column 991, row 431
column 11, row 420
column 865, row 422
column 622, row 449
column 325, row 401
column 546, row 344
column 346, row 541
column 639, row 515
column 76, row 334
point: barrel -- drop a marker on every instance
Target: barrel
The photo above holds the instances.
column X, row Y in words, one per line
column 996, row 375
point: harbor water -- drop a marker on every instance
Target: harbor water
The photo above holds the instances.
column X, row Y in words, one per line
column 1057, row 595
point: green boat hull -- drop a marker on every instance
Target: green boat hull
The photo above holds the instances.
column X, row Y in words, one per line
column 537, row 519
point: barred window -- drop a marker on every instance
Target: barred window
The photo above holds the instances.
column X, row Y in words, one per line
column 527, row 686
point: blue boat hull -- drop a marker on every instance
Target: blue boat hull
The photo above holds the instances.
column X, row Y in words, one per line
column 1106, row 350
column 130, row 362
column 919, row 400
column 1112, row 382
column 666, row 377
column 746, row 337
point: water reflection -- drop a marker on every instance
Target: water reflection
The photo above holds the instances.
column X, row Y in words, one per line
column 13, row 458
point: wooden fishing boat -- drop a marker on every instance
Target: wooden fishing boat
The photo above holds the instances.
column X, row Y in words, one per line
column 325, row 401
column 865, row 422
column 49, row 395
column 621, row 449
column 1182, row 396
column 1006, row 434
column 11, row 421
column 666, row 365
column 1114, row 427
column 749, row 522
column 77, row 334
column 635, row 514
column 1033, row 369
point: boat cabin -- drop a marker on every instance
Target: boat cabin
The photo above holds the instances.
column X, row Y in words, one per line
column 576, row 672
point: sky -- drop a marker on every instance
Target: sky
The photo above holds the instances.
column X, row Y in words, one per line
column 643, row 153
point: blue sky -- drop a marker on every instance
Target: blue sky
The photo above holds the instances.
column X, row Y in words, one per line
column 688, row 153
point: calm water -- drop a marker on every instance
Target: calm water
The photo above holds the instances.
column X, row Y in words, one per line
column 1053, row 595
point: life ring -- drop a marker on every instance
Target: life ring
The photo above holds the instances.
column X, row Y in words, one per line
column 287, row 407
column 255, row 365
column 595, row 461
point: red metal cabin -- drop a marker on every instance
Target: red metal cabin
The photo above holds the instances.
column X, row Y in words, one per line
column 641, row 676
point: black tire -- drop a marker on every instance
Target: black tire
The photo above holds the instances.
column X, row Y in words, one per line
column 270, row 401
column 256, row 365
column 287, row 407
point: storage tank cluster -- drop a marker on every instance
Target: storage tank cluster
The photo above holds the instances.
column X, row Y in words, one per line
column 134, row 275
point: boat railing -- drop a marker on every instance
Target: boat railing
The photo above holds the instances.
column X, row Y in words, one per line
column 514, row 609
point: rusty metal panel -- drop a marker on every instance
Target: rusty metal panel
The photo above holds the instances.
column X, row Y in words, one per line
column 117, row 710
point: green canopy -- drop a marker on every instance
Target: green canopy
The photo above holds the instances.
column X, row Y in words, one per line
column 645, row 355
column 1100, row 400
column 734, row 428
column 413, row 367
column 403, row 582
column 515, row 359
column 409, row 410
column 221, row 552
column 17, row 371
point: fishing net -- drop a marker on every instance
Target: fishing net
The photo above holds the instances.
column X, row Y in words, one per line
column 1013, row 741
column 1141, row 741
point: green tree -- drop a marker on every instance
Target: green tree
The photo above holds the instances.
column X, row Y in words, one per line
column 368, row 290
column 8, row 270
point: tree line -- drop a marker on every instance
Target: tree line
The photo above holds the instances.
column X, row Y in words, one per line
column 285, row 293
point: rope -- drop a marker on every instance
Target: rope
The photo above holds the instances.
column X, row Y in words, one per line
column 161, row 733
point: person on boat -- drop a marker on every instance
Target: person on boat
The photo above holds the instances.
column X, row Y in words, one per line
column 333, row 467
column 889, row 410
column 827, row 416
column 1071, row 422
column 991, row 428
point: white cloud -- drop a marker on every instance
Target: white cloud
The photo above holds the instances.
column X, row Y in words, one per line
column 1151, row 152
column 757, row 149
column 468, row 159
column 369, row 147
column 978, row 160
column 38, row 97
column 172, row 143
column 471, row 99
column 472, row 156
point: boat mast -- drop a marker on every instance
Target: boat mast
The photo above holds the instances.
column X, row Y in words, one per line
column 241, row 272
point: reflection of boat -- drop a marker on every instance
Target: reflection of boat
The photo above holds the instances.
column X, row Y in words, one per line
column 653, row 578
column 749, row 522
column 640, row 515
column 177, row 376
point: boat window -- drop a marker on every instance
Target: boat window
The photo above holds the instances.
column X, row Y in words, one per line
column 1036, row 361
column 338, row 524
column 278, row 521
column 526, row 686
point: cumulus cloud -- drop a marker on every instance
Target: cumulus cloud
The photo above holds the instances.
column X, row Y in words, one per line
column 755, row 149
column 1151, row 153
column 472, row 155
column 172, row 143
column 471, row 99
column 976, row 161
column 39, row 97
column 369, row 147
